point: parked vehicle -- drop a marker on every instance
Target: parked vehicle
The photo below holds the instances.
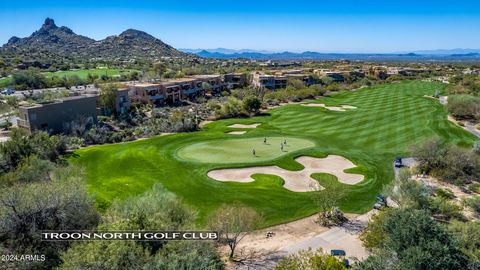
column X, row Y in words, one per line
column 8, row 91
column 340, row 255
column 381, row 202
column 337, row 252
column 398, row 162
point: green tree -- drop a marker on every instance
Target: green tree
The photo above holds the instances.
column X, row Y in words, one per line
column 156, row 210
column 252, row 105
column 468, row 236
column 411, row 239
column 108, row 98
column 28, row 79
column 232, row 108
column 296, row 83
column 409, row 193
column 464, row 106
column 59, row 204
column 159, row 68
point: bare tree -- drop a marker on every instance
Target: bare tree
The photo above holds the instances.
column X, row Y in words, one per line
column 327, row 202
column 233, row 223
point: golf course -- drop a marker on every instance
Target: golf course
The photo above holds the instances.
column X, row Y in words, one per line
column 380, row 123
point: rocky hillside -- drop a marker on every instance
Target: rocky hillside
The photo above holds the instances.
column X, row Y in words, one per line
column 53, row 41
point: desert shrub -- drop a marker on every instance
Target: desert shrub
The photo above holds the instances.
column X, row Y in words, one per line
column 252, row 104
column 75, row 142
column 308, row 259
column 444, row 208
column 330, row 218
column 97, row 135
column 464, row 106
column 467, row 235
column 232, row 108
column 61, row 203
column 464, row 84
column 296, row 83
column 186, row 255
column 156, row 209
column 410, row 239
column 21, row 146
column 410, row 193
column 475, row 187
column 317, row 89
column 476, row 146
column 30, row 169
column 449, row 163
column 474, row 203
column 445, row 193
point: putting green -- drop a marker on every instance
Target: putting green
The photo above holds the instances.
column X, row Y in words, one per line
column 241, row 150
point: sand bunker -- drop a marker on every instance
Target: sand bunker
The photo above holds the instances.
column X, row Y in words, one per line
column 236, row 132
column 244, row 126
column 342, row 108
column 299, row 181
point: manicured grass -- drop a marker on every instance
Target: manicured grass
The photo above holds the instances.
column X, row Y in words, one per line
column 5, row 81
column 388, row 120
column 83, row 73
column 241, row 150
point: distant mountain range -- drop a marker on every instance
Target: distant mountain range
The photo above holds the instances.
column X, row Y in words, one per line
column 450, row 52
column 451, row 55
column 225, row 51
column 53, row 41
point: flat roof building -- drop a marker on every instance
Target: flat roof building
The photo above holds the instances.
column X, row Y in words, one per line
column 234, row 80
column 53, row 116
column 269, row 81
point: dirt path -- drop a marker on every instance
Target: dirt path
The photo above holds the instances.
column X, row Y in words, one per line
column 468, row 126
column 301, row 234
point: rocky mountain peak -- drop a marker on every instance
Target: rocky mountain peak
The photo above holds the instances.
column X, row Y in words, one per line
column 63, row 42
column 49, row 24
column 133, row 33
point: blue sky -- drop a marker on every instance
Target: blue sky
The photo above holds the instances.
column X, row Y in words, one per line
column 325, row 26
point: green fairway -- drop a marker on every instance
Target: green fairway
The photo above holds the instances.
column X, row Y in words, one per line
column 389, row 118
column 83, row 73
column 241, row 150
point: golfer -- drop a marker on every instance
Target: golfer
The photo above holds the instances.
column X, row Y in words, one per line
column 253, row 152
column 265, row 141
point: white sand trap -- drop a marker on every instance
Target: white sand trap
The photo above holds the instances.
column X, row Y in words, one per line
column 244, row 126
column 314, row 105
column 331, row 108
column 299, row 181
column 236, row 132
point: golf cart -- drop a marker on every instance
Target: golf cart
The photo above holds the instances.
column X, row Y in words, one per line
column 381, row 202
column 398, row 162
column 340, row 255
column 8, row 91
